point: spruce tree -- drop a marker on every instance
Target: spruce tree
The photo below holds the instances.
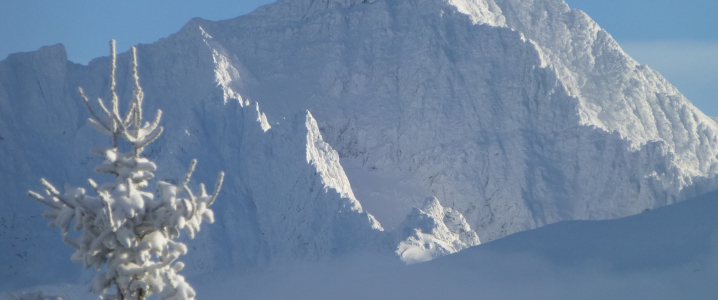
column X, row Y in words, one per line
column 123, row 227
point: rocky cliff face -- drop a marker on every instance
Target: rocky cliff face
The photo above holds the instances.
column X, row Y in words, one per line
column 514, row 114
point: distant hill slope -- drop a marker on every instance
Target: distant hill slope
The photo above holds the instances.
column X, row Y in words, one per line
column 667, row 253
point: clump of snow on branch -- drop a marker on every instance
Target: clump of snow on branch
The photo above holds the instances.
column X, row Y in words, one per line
column 124, row 227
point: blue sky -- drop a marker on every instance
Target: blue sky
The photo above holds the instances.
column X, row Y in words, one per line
column 676, row 37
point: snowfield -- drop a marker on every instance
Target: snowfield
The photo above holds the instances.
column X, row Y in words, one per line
column 335, row 120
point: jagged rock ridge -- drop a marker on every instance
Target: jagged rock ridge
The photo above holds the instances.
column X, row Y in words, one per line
column 433, row 231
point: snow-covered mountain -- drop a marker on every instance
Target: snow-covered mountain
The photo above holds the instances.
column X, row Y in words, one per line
column 534, row 117
column 333, row 118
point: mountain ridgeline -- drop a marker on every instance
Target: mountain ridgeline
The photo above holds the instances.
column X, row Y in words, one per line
column 333, row 118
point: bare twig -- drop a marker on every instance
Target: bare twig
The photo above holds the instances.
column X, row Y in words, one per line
column 89, row 107
column 216, row 188
column 190, row 171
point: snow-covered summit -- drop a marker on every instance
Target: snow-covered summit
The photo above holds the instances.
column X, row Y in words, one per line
column 514, row 114
column 614, row 91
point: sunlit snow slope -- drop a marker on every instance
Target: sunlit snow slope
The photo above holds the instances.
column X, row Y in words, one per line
column 331, row 116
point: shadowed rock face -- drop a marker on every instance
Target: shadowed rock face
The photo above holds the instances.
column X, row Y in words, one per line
column 515, row 114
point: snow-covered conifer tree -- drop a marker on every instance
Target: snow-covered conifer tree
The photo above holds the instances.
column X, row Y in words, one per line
column 124, row 227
